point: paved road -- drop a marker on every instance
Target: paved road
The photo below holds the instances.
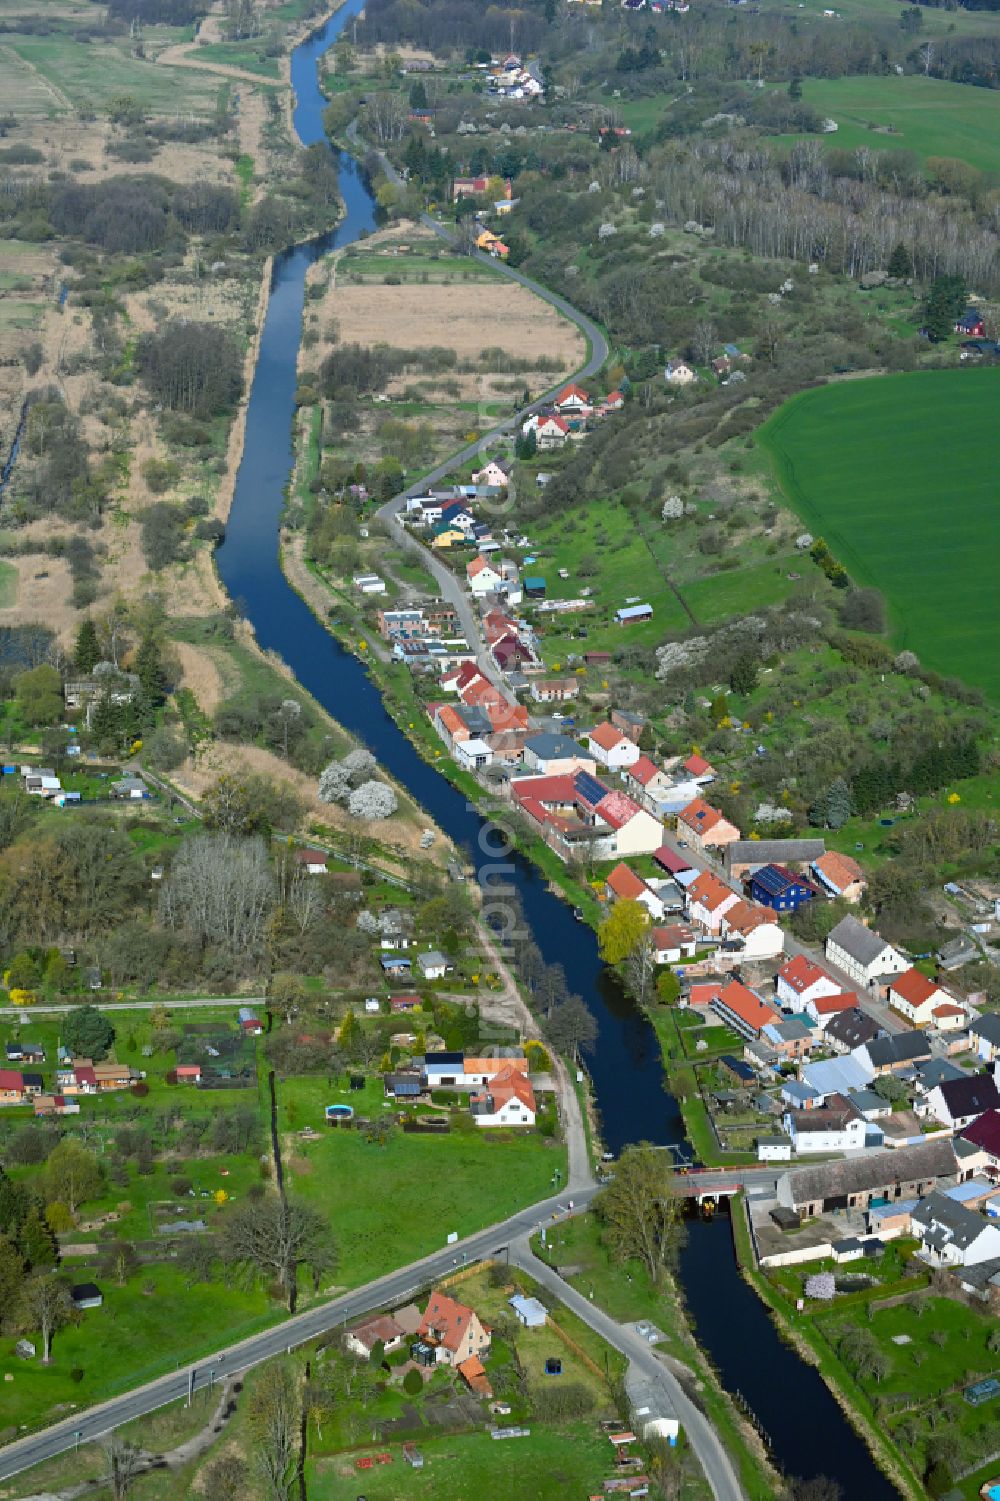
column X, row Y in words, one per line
column 192, row 1002
column 646, row 1370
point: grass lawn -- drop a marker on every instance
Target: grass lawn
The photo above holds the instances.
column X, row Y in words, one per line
column 739, row 591
column 927, row 116
column 91, row 75
column 896, row 474
column 947, row 1347
column 250, row 56
column 551, row 1463
column 391, row 1204
column 134, row 1337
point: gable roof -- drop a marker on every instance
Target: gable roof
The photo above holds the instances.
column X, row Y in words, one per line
column 873, row 1170
column 827, row 1005
column 700, row 816
column 697, row 765
column 708, row 891
column 851, row 1028
column 902, row 1047
column 511, row 1084
column 744, row 917
column 475, row 567
column 839, row 871
column 670, row 861
column 985, row 1132
column 947, row 1223
column 973, row 1094
column 570, row 391
column 746, row 1005
column 624, row 882
column 800, row 973
column 861, row 943
column 773, row 851
column 672, row 936
column 606, row 736
column 914, row 987
column 551, row 747
column 644, row 771
column 987, row 1027
column 618, row 809
column 449, row 1319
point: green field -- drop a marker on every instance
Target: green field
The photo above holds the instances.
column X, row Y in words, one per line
column 92, row 74
column 896, row 473
column 924, row 115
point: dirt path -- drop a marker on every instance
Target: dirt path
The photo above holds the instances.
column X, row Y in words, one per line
column 172, row 1459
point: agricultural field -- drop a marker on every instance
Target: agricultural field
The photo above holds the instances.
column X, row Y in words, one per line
column 896, row 474
column 927, row 116
column 87, row 77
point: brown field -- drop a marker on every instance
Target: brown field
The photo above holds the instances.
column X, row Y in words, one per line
column 466, row 318
column 200, row 671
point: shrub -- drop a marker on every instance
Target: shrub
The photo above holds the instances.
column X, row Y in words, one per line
column 413, row 1382
column 140, row 1089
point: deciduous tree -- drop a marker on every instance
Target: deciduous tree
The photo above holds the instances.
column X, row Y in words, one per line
column 639, row 1209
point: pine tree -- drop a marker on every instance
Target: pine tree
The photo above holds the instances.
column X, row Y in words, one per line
column 900, row 263
column 36, row 1242
column 88, row 651
column 838, row 803
column 149, row 667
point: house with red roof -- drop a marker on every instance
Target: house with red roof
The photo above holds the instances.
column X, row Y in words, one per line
column 613, row 402
column 573, row 401
column 752, row 930
column 673, row 943
column 704, row 827
column 915, row 997
column 823, row 1008
column 703, row 993
column 575, row 812
column 839, row 875
column 612, row 747
column 458, row 678
column 708, row 899
column 800, row 980
column 647, row 782
column 623, row 885
column 508, row 1100
column 550, row 430
column 481, row 576
column 382, row 1329
column 743, row 1010
column 12, row 1089
column 699, row 769
column 949, row 1017
column 452, row 1330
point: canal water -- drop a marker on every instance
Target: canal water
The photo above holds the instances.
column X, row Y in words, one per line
column 808, row 1432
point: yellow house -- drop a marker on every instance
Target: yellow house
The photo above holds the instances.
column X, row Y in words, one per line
column 449, row 536
column 492, row 244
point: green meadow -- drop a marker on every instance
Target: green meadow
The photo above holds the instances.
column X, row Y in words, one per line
column 927, row 116
column 897, row 474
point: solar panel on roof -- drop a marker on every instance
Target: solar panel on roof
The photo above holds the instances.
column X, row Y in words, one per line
column 773, row 881
column 589, row 788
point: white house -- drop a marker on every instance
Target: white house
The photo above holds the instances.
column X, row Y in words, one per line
column 433, row 965
column 755, row 930
column 482, row 577
column 915, row 997
column 952, row 1235
column 708, row 900
column 382, row 1330
column 956, row 1103
column 611, row 747
column 800, row 980
column 834, row 1126
column 623, row 885
column 673, row 943
column 823, row 1008
column 985, row 1034
column 550, row 430
column 678, row 373
column 509, row 1100
column 473, row 755
column 863, row 953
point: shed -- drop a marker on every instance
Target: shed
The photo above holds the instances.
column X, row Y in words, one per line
column 534, row 587
column 528, row 1311
column 632, row 614
column 86, row 1295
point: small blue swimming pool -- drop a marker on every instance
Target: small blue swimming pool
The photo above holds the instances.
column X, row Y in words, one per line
column 334, row 1112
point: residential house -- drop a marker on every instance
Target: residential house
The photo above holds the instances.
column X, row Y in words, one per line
column 509, row 1100
column 951, row 1234
column 611, row 747
column 839, row 875
column 823, row 1008
column 452, row 1330
column 673, row 943
column 678, row 373
column 870, row 1104
column 847, row 1030
column 862, row 953
column 77, row 1078
column 555, row 690
column 25, row 1052
column 742, row 1010
column 577, row 812
column 985, row 1034
column 313, row 862
column 699, row 769
column 468, row 187
column 493, row 473
column 915, row 997
column 744, row 856
column 129, row 789
column 11, row 1086
column 853, row 1183
column 573, row 401
column 834, row 1126
column 482, row 577
column 434, row 965
column 708, row 900
column 956, row 1103
column 54, row 1104
column 949, row 1016
column 704, row 826
column 492, row 244
column 550, row 430
column 889, row 1055
column 396, row 928
column 799, row 980
column 790, row 1039
column 111, row 1076
column 647, row 782
column 831, row 1076
column 381, row 1330
column 623, row 885
column 249, row 1022
column 971, row 324
column 555, row 755
column 775, row 886
column 751, row 933
column 984, row 1135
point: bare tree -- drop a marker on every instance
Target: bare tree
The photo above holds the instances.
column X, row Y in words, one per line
column 305, row 901
column 125, row 1462
column 640, row 967
column 221, row 889
column 275, row 1235
column 273, row 1416
column 704, row 341
column 45, row 1306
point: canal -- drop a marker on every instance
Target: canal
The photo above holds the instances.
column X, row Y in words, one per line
column 808, row 1433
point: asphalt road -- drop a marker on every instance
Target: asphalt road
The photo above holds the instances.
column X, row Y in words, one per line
column 394, row 1288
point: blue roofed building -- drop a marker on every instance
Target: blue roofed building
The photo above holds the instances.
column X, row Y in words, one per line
column 780, row 889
